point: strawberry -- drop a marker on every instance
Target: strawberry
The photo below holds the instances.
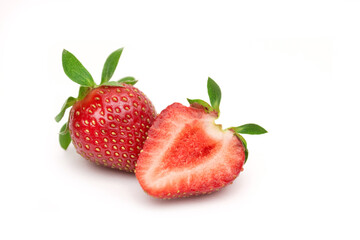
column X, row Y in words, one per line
column 187, row 154
column 108, row 123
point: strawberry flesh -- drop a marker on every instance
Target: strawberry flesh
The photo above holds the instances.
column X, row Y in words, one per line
column 188, row 154
column 197, row 141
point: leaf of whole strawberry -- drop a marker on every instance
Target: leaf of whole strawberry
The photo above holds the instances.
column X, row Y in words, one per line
column 119, row 83
column 110, row 65
column 112, row 83
column 128, row 80
column 64, row 137
column 75, row 70
column 83, row 91
column 68, row 103
column 214, row 94
column 250, row 128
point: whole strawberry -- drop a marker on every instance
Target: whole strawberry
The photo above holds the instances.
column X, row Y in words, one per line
column 187, row 154
column 108, row 123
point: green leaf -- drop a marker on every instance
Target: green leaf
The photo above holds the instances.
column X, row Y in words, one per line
column 214, row 94
column 243, row 141
column 120, row 83
column 83, row 91
column 206, row 106
column 68, row 103
column 110, row 65
column 246, row 155
column 64, row 137
column 128, row 80
column 250, row 128
column 75, row 70
column 64, row 129
column 112, row 83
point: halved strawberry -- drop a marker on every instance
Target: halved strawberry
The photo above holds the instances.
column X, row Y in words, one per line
column 187, row 154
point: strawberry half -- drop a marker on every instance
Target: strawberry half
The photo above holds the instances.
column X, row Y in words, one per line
column 108, row 123
column 187, row 154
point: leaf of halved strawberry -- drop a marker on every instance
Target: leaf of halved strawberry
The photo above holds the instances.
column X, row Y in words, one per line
column 202, row 103
column 250, row 128
column 188, row 154
column 214, row 94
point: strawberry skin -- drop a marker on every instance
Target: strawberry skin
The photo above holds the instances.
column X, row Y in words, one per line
column 187, row 154
column 109, row 126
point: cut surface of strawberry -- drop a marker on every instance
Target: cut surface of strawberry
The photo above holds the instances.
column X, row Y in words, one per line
column 187, row 154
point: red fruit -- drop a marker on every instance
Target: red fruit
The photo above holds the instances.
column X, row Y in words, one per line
column 109, row 126
column 108, row 123
column 188, row 154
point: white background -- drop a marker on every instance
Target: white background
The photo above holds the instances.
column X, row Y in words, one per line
column 291, row 66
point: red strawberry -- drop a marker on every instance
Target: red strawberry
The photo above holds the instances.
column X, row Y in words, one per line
column 108, row 123
column 188, row 154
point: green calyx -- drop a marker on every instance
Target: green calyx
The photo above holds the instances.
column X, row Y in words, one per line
column 80, row 75
column 249, row 128
column 214, row 93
